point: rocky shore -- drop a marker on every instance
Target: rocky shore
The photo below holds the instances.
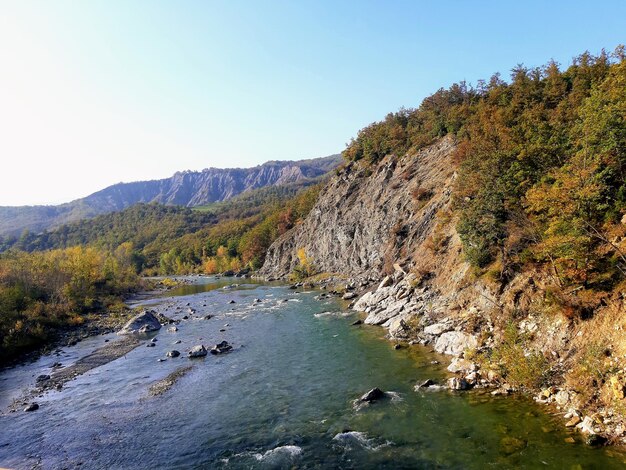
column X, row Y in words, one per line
column 412, row 313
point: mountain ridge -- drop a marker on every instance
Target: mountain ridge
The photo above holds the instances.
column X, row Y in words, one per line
column 184, row 188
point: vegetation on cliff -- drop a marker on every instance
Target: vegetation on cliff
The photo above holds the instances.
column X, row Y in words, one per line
column 542, row 168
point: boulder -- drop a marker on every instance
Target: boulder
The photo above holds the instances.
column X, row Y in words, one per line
column 398, row 327
column 458, row 383
column 455, row 342
column 173, row 353
column 221, row 348
column 197, row 351
column 437, row 328
column 373, row 395
column 32, row 407
column 349, row 296
column 144, row 322
column 425, row 384
column 562, row 397
column 462, row 366
column 574, row 421
column 586, row 426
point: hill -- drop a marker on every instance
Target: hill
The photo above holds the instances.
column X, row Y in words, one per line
column 188, row 189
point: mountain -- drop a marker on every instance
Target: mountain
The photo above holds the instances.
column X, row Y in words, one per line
column 187, row 188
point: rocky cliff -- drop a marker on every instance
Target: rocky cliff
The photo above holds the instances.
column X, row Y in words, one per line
column 367, row 219
column 389, row 230
column 189, row 188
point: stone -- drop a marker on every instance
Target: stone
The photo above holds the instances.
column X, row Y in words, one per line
column 458, row 383
column 208, row 317
column 221, row 348
column 349, row 296
column 562, row 397
column 437, row 328
column 373, row 395
column 459, row 365
column 172, row 329
column 386, row 282
column 455, row 343
column 425, row 384
column 43, row 378
column 398, row 327
column 357, row 322
column 197, row 351
column 150, row 345
column 232, row 302
column 32, row 407
column 153, row 340
column 586, row 426
column 173, row 353
column 572, row 422
column 144, row 322
column 472, row 378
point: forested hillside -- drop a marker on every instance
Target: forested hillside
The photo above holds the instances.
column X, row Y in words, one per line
column 542, row 175
column 170, row 239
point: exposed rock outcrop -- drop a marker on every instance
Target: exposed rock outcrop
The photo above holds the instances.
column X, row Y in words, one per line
column 363, row 223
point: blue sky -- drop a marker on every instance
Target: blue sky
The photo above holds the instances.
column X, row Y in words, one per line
column 97, row 92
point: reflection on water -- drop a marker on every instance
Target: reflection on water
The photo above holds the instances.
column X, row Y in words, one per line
column 283, row 398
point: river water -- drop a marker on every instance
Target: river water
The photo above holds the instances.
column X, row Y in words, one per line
column 283, row 398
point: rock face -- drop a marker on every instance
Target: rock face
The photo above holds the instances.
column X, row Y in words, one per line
column 145, row 322
column 186, row 188
column 361, row 220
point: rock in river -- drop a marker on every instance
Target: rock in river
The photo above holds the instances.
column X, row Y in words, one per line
column 373, row 395
column 32, row 407
column 145, row 322
column 221, row 348
column 173, row 353
column 197, row 351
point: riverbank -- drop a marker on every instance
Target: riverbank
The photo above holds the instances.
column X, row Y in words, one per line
column 413, row 313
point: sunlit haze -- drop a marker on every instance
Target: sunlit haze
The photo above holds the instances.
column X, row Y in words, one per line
column 94, row 93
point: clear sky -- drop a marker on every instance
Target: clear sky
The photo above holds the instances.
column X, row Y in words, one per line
column 97, row 92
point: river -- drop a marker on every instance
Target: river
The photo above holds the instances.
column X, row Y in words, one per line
column 283, row 398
